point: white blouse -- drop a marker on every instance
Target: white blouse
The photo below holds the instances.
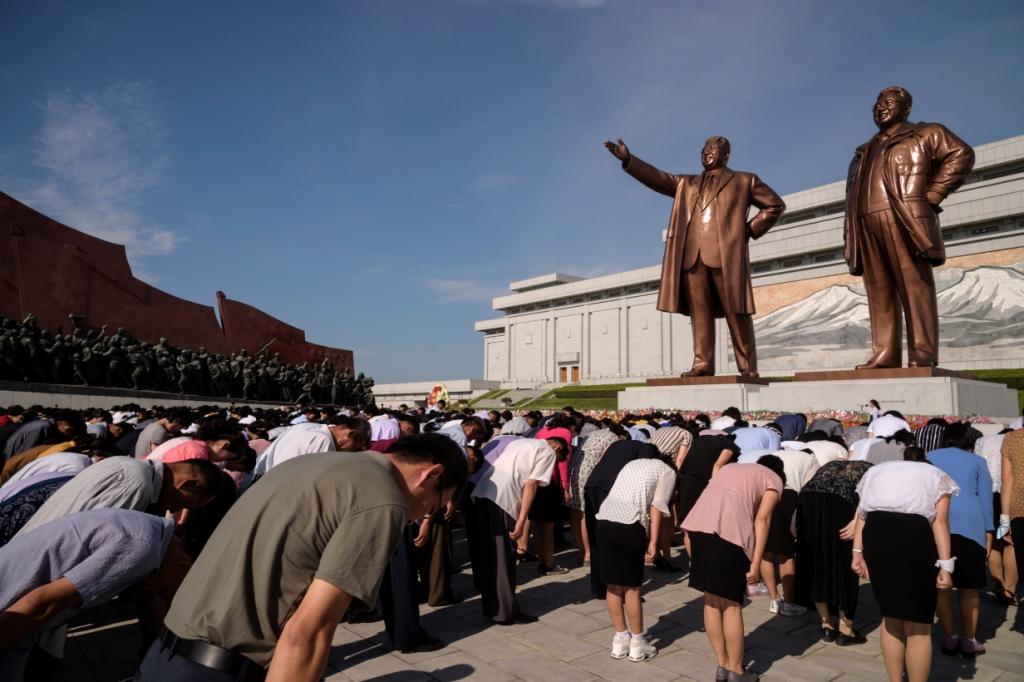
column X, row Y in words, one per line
column 642, row 484
column 991, row 448
column 798, row 466
column 825, row 451
column 887, row 425
column 904, row 487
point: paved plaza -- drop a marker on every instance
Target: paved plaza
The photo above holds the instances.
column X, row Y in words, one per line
column 571, row 641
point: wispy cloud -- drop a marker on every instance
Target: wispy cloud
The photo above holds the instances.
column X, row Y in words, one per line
column 99, row 153
column 461, row 290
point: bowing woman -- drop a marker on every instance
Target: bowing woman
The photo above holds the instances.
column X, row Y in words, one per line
column 971, row 529
column 726, row 532
column 901, row 544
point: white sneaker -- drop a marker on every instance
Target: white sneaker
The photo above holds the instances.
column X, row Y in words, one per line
column 640, row 649
column 789, row 609
column 620, row 646
column 775, row 606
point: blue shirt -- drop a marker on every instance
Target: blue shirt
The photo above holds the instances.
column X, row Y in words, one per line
column 756, row 438
column 793, row 425
column 970, row 512
column 101, row 551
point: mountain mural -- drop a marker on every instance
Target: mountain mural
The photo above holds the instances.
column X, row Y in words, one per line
column 978, row 307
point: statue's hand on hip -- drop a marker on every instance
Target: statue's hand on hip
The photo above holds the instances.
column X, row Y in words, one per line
column 620, row 151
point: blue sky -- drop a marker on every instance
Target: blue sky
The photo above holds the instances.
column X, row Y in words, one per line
column 376, row 171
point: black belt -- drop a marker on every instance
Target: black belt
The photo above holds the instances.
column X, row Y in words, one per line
column 213, row 657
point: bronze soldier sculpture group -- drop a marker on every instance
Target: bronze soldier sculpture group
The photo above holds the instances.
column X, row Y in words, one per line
column 895, row 184
column 95, row 358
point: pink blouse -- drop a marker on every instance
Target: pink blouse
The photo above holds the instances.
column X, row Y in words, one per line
column 728, row 505
column 561, row 475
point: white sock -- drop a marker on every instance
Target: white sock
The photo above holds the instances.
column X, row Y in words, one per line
column 624, row 633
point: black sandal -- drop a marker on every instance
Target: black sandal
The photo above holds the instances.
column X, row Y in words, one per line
column 853, row 638
column 1006, row 597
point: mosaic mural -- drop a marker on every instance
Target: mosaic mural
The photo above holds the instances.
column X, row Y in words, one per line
column 981, row 320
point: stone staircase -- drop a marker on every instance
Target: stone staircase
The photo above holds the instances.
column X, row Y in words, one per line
column 519, row 398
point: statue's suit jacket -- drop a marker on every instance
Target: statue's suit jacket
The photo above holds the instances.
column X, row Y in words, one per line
column 735, row 193
column 922, row 163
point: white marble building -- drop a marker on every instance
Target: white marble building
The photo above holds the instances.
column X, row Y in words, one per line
column 811, row 314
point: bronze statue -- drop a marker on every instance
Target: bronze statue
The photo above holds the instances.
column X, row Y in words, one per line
column 706, row 269
column 897, row 180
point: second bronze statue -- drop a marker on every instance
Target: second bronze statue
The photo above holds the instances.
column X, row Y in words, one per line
column 895, row 184
column 706, row 269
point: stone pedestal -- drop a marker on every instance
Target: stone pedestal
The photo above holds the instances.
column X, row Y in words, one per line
column 888, row 373
column 692, row 396
column 706, row 381
column 917, row 391
column 935, row 395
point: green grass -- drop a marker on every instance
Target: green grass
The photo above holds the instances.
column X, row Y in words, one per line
column 583, row 388
column 593, row 397
column 1014, row 378
column 606, row 403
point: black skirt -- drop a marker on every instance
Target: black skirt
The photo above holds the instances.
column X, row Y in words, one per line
column 900, row 552
column 997, row 506
column 547, row 504
column 689, row 489
column 622, row 553
column 780, row 539
column 969, row 569
column 1017, row 531
column 718, row 567
column 823, row 560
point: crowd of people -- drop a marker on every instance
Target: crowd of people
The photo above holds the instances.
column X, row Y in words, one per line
column 243, row 536
column 90, row 357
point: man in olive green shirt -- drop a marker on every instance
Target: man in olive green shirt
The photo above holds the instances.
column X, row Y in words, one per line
column 273, row 582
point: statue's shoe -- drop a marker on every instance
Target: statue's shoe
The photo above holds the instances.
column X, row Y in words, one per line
column 699, row 372
column 876, row 362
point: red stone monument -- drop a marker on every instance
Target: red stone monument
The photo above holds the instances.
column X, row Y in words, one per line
column 51, row 271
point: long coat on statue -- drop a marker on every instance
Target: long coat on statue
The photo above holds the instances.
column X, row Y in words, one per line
column 735, row 193
column 922, row 163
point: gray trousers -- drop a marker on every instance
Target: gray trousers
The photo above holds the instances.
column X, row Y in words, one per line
column 497, row 558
